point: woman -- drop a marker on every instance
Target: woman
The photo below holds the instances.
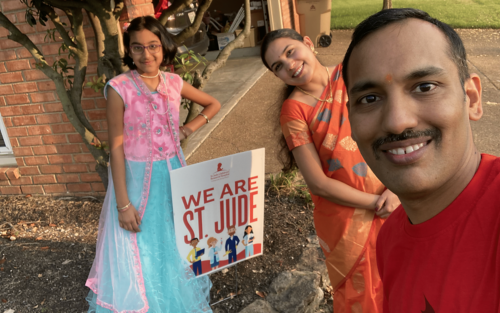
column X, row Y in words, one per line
column 350, row 202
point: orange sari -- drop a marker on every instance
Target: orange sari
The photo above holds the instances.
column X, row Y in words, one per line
column 347, row 235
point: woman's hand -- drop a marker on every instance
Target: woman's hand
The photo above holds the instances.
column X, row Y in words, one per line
column 130, row 219
column 386, row 204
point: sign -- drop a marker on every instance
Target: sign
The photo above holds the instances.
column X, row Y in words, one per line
column 219, row 210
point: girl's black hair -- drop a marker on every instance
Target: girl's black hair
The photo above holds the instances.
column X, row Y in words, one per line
column 153, row 25
column 285, row 155
column 245, row 232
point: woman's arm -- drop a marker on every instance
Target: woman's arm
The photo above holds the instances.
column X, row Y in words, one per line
column 129, row 219
column 210, row 104
column 333, row 190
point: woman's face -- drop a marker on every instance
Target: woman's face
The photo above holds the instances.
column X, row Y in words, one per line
column 147, row 61
column 248, row 230
column 291, row 60
column 213, row 243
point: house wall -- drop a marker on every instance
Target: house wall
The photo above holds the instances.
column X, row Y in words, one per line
column 51, row 156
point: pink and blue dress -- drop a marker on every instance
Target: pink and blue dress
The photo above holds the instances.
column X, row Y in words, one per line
column 143, row 272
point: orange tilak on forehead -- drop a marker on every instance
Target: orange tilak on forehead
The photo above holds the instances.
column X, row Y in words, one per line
column 388, row 78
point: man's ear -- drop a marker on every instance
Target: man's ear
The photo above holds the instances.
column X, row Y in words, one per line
column 308, row 42
column 473, row 97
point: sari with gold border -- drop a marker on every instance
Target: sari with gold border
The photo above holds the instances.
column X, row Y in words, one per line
column 343, row 232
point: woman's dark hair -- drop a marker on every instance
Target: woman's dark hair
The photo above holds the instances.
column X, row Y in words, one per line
column 285, row 155
column 386, row 17
column 150, row 23
column 245, row 232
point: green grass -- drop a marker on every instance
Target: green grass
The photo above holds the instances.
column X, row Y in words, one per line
column 347, row 14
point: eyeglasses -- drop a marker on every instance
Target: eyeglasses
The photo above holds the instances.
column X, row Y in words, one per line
column 139, row 49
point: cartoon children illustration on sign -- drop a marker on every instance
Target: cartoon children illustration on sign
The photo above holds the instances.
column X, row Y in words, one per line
column 231, row 244
column 194, row 256
column 248, row 241
column 213, row 252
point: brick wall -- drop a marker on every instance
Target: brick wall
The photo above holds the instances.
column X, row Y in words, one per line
column 289, row 14
column 50, row 154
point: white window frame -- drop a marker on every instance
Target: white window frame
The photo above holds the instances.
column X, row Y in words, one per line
column 6, row 153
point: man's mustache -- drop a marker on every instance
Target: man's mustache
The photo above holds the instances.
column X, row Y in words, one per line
column 434, row 133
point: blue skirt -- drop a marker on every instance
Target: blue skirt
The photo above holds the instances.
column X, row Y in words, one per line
column 166, row 289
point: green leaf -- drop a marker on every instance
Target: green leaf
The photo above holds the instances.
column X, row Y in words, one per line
column 177, row 66
column 184, row 55
column 30, row 18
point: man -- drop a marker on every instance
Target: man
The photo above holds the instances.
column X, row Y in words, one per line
column 410, row 101
column 231, row 244
column 194, row 257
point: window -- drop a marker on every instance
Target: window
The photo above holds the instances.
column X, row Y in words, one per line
column 6, row 154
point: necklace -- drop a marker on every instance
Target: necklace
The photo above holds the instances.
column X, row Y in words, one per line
column 151, row 76
column 153, row 104
column 329, row 100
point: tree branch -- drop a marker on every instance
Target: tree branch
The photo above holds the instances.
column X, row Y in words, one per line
column 59, row 26
column 177, row 7
column 72, row 4
column 109, row 26
column 226, row 52
column 193, row 28
column 80, row 69
column 200, row 80
column 17, row 36
column 118, row 9
column 99, row 36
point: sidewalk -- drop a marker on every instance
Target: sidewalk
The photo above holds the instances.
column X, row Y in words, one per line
column 254, row 122
column 228, row 85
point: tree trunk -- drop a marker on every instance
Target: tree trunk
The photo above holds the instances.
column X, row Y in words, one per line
column 387, row 5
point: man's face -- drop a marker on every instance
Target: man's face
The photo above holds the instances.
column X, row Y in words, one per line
column 194, row 243
column 402, row 81
column 231, row 231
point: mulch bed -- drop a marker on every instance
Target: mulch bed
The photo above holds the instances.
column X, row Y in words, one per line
column 44, row 269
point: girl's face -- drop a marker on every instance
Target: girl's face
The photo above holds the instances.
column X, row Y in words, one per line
column 248, row 230
column 150, row 59
column 291, row 60
column 214, row 243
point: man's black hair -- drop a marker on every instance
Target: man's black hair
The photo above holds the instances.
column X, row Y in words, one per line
column 153, row 25
column 390, row 16
column 194, row 240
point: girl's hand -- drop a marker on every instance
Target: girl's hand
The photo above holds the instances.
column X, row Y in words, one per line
column 182, row 134
column 386, row 204
column 130, row 219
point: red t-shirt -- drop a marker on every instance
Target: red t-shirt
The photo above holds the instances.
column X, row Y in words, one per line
column 450, row 263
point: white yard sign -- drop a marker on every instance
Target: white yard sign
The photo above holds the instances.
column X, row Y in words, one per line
column 219, row 210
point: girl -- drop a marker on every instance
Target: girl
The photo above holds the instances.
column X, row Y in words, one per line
column 137, row 267
column 248, row 241
column 350, row 201
column 213, row 252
